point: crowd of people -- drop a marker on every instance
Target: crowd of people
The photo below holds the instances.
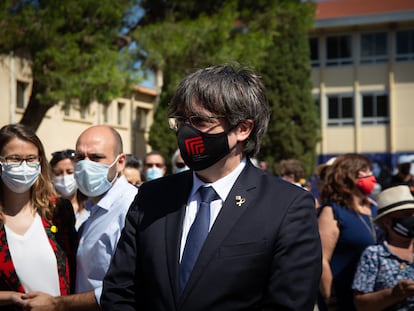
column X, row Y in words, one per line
column 94, row 228
column 366, row 225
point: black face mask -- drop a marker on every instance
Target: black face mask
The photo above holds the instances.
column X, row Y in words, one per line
column 201, row 150
column 404, row 226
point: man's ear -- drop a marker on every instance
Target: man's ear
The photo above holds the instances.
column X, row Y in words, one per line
column 121, row 162
column 244, row 129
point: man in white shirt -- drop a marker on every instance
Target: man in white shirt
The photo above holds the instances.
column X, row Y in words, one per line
column 99, row 162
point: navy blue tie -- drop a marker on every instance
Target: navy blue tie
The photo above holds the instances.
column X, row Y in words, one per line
column 197, row 234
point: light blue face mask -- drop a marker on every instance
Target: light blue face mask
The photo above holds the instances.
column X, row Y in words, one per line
column 92, row 177
column 19, row 178
column 154, row 173
column 181, row 169
column 65, row 185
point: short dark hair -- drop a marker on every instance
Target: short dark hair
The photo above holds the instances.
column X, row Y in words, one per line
column 233, row 91
column 58, row 156
column 154, row 152
column 292, row 167
column 132, row 161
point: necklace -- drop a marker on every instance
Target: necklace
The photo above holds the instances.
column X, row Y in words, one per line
column 370, row 227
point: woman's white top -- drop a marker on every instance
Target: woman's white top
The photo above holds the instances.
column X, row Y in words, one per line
column 34, row 259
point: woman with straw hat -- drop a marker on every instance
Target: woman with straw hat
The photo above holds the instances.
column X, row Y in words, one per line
column 384, row 279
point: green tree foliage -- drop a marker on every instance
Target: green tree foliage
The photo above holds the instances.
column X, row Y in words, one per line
column 73, row 46
column 294, row 127
column 179, row 37
column 180, row 44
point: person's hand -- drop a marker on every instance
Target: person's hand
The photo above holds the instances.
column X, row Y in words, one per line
column 37, row 301
column 16, row 298
column 404, row 289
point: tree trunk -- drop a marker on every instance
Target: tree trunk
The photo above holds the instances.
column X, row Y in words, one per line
column 35, row 110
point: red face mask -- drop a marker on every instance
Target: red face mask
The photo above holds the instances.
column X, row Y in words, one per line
column 367, row 184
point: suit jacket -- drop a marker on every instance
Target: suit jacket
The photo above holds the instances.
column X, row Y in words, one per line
column 262, row 255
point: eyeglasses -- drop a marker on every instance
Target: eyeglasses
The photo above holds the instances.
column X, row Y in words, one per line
column 179, row 164
column 68, row 153
column 149, row 165
column 201, row 123
column 15, row 161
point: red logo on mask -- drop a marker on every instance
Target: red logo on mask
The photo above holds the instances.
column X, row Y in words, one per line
column 194, row 145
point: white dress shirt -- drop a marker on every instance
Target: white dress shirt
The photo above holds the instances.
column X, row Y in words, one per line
column 222, row 188
column 100, row 234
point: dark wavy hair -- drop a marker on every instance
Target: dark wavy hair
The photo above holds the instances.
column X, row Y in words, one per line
column 233, row 91
column 58, row 156
column 340, row 182
column 42, row 192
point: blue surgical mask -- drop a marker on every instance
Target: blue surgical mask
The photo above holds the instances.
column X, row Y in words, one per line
column 92, row 177
column 154, row 173
column 181, row 169
column 19, row 178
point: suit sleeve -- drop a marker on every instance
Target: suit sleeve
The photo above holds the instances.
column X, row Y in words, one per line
column 296, row 264
column 119, row 288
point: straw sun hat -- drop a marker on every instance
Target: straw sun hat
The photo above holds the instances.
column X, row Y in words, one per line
column 394, row 199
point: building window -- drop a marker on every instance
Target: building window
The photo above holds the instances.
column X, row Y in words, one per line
column 404, row 45
column 83, row 112
column 106, row 113
column 340, row 110
column 374, row 48
column 314, row 52
column 141, row 118
column 66, row 110
column 121, row 110
column 375, row 109
column 21, row 94
column 339, row 50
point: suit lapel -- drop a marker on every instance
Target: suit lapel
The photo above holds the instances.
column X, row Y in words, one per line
column 244, row 188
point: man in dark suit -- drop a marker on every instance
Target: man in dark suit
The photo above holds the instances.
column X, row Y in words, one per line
column 261, row 250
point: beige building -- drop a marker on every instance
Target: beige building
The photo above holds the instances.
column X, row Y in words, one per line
column 131, row 117
column 362, row 55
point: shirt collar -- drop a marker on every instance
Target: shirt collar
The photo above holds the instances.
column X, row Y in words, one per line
column 108, row 199
column 384, row 250
column 221, row 186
